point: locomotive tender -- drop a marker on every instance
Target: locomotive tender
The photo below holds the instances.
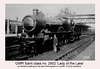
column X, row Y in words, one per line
column 44, row 34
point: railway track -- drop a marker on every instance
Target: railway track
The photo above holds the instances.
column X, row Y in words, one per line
column 13, row 54
column 51, row 55
column 69, row 55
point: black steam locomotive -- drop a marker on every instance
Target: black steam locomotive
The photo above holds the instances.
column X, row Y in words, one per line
column 42, row 34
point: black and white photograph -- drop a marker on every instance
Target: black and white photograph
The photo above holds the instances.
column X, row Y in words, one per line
column 50, row 32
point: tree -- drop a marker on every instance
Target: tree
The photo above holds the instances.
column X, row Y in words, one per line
column 65, row 12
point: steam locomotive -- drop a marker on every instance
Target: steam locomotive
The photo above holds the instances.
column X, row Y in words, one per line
column 42, row 34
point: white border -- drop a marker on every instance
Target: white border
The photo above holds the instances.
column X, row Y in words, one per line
column 87, row 64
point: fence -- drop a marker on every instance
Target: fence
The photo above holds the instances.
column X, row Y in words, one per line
column 13, row 27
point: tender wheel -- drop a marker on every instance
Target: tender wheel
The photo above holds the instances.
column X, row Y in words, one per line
column 78, row 37
column 72, row 38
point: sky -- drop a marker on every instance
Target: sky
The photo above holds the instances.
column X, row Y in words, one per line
column 12, row 11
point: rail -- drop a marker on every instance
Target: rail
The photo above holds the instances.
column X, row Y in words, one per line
column 72, row 50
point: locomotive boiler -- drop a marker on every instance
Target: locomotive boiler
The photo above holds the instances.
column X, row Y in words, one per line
column 43, row 33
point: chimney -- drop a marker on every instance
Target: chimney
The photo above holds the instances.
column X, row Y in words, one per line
column 35, row 11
